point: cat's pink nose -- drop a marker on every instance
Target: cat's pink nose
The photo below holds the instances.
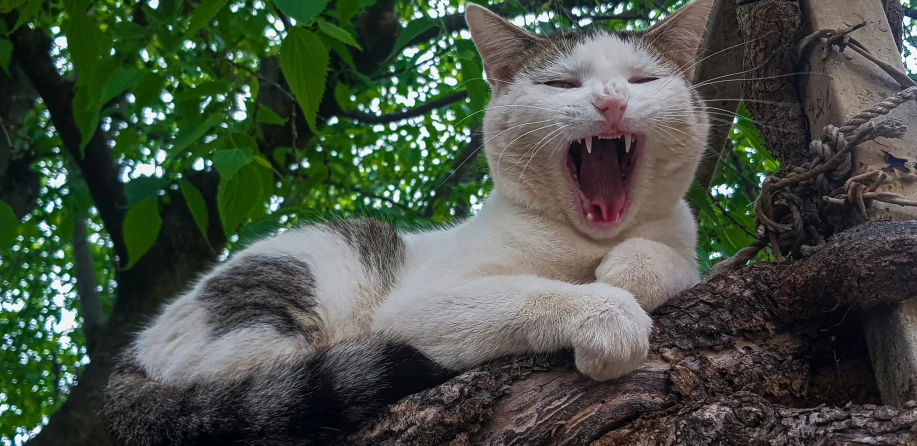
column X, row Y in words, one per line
column 611, row 108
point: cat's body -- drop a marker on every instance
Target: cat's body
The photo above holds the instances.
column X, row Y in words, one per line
column 308, row 332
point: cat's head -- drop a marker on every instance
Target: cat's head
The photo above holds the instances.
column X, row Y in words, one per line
column 599, row 129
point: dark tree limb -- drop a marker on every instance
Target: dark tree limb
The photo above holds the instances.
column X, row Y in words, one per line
column 97, row 163
column 752, row 331
column 747, row 419
column 84, row 267
column 420, row 110
column 771, row 30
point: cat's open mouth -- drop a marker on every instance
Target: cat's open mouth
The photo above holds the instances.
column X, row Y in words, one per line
column 602, row 170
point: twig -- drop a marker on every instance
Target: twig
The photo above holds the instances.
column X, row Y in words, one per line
column 442, row 101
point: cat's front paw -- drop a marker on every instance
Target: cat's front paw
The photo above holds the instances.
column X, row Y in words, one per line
column 614, row 340
column 653, row 272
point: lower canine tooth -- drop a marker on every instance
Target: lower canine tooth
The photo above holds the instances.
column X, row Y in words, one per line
column 627, row 142
column 589, row 216
column 589, row 144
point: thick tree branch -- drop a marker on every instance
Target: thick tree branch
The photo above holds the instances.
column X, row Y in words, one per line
column 84, row 267
column 442, row 101
column 31, row 49
column 746, row 418
column 755, row 330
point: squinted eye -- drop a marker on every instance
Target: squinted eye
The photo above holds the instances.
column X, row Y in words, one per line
column 642, row 80
column 562, row 84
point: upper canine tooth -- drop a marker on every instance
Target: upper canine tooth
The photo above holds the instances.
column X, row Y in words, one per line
column 589, row 144
column 627, row 142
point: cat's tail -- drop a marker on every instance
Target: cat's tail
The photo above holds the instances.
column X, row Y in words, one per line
column 296, row 402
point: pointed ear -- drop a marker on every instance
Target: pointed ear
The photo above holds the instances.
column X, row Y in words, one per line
column 678, row 36
column 501, row 44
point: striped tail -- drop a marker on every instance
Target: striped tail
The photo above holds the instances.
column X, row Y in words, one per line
column 293, row 403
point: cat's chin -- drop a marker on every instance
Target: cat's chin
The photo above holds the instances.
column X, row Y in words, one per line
column 601, row 171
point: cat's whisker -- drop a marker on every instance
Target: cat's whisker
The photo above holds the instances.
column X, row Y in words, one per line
column 490, row 107
column 685, row 70
column 500, row 156
column 556, row 132
column 484, row 144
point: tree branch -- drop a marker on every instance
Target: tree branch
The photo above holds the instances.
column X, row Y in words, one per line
column 31, row 50
column 755, row 330
column 84, row 267
column 442, row 101
column 746, row 418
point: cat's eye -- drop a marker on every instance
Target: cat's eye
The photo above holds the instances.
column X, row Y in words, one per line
column 562, row 84
column 642, row 79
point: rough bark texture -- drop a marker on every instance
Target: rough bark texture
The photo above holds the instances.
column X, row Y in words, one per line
column 768, row 330
column 771, row 30
column 747, row 419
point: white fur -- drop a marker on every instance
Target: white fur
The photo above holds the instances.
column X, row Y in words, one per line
column 526, row 274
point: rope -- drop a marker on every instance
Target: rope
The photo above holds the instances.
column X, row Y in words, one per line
column 781, row 215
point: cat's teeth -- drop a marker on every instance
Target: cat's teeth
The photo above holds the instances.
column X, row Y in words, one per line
column 589, row 216
column 589, row 144
column 627, row 143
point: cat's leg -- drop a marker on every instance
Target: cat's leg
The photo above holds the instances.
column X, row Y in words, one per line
column 652, row 271
column 498, row 316
column 657, row 262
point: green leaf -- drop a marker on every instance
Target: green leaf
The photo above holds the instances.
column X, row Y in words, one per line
column 9, row 225
column 141, row 228
column 414, row 29
column 347, row 9
column 141, row 188
column 301, row 10
column 6, row 54
column 85, row 115
column 268, row 116
column 338, row 33
column 342, row 95
column 121, row 81
column 701, row 199
column 237, row 196
column 127, row 144
column 475, row 85
column 304, row 62
column 86, row 42
column 203, row 90
column 149, row 90
column 188, row 136
column 367, row 3
column 203, row 13
column 196, row 205
column 228, row 161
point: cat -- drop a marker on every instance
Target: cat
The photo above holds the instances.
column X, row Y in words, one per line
column 592, row 139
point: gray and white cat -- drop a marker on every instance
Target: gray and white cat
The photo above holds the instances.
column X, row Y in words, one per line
column 593, row 139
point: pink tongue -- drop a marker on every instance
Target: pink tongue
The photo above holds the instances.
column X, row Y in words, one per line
column 602, row 184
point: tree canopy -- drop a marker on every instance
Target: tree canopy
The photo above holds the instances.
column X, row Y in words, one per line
column 122, row 121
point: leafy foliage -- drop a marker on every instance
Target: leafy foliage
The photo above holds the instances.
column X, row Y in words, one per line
column 177, row 88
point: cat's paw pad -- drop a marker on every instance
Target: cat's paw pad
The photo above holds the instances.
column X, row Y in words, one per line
column 614, row 341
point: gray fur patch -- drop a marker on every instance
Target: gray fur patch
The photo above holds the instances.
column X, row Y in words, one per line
column 380, row 247
column 278, row 291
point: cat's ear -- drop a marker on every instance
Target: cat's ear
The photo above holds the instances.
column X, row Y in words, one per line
column 500, row 43
column 678, row 36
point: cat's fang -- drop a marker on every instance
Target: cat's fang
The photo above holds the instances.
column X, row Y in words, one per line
column 589, row 216
column 627, row 137
column 589, row 144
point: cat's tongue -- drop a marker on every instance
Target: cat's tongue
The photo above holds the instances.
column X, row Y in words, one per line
column 602, row 184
